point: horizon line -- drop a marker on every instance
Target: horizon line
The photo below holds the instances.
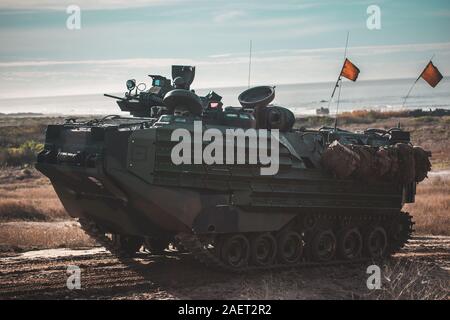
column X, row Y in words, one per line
column 212, row 88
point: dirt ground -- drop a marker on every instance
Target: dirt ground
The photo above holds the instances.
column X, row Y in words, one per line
column 424, row 264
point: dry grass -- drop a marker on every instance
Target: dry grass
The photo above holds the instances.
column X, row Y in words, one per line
column 294, row 284
column 406, row 280
column 26, row 153
column 431, row 211
column 303, row 284
column 370, row 116
column 28, row 196
column 15, row 131
column 353, row 117
column 31, row 215
column 24, row 236
column 401, row 279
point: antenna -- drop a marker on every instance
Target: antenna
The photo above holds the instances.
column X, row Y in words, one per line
column 339, row 84
column 409, row 92
column 414, row 84
column 337, row 105
column 249, row 64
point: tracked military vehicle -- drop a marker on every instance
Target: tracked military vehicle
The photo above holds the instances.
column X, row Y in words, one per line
column 336, row 197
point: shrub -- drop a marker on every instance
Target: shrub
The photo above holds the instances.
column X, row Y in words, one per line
column 24, row 154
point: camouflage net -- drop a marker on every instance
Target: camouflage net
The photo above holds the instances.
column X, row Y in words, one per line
column 401, row 162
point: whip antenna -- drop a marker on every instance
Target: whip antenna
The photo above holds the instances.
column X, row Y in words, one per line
column 339, row 84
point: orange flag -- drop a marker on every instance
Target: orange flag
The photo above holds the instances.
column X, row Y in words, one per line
column 431, row 75
column 350, row 71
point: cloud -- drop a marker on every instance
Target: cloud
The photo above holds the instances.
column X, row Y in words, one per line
column 221, row 55
column 108, row 62
column 220, row 70
column 391, row 49
column 438, row 47
column 273, row 22
column 263, row 55
column 228, row 16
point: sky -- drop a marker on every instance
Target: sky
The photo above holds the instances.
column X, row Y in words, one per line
column 292, row 41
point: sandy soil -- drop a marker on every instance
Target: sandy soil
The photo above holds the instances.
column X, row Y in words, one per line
column 43, row 274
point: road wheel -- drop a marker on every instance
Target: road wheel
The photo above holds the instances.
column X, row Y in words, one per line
column 263, row 249
column 399, row 232
column 235, row 251
column 350, row 243
column 375, row 243
column 323, row 246
column 156, row 246
column 127, row 245
column 290, row 247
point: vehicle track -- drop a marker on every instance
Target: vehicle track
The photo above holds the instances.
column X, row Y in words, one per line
column 42, row 274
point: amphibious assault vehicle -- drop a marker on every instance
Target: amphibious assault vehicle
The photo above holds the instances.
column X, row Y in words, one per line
column 335, row 197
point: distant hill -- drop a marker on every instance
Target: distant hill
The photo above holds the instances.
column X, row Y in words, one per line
column 21, row 114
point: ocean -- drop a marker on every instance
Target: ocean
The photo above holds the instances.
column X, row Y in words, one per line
column 302, row 99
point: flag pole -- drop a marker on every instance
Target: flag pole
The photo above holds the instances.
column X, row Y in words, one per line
column 337, row 106
column 409, row 92
column 339, row 83
column 414, row 84
column 335, row 87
